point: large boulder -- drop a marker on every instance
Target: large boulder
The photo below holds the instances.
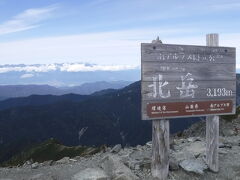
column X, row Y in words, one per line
column 194, row 165
column 64, row 160
column 116, row 148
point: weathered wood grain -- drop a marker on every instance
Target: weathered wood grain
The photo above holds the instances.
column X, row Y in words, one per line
column 212, row 125
column 212, row 139
column 160, row 151
column 187, row 48
column 212, row 40
column 160, row 144
column 199, row 71
column 185, row 53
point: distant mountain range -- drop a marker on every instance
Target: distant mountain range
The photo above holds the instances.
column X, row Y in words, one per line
column 107, row 117
column 66, row 74
column 8, row 91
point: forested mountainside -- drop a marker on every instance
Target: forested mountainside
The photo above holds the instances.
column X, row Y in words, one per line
column 108, row 118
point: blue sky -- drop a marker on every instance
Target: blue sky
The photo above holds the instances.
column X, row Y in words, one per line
column 109, row 31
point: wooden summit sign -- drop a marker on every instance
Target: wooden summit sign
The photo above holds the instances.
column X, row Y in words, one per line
column 184, row 80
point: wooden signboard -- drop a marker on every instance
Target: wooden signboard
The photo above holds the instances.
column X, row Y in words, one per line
column 184, row 80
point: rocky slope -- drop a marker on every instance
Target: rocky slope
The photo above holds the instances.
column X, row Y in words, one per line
column 187, row 160
column 50, row 150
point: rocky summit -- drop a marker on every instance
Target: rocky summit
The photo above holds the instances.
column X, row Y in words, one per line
column 187, row 160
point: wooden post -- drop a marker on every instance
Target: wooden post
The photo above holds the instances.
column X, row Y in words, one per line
column 160, row 145
column 160, row 149
column 212, row 124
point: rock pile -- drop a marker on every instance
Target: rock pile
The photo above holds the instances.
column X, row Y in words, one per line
column 187, row 161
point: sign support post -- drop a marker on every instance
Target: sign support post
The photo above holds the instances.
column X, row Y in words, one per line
column 160, row 145
column 212, row 124
column 160, row 148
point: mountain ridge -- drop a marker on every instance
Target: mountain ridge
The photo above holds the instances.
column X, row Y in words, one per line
column 11, row 91
column 112, row 118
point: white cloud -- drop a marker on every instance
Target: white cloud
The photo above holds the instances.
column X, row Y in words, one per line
column 66, row 67
column 119, row 47
column 28, row 19
column 83, row 67
column 106, row 48
column 26, row 76
column 237, row 66
column 28, row 68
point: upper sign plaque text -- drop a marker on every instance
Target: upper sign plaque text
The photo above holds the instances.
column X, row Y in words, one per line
column 184, row 80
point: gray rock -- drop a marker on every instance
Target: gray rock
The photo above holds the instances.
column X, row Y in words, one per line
column 225, row 146
column 223, row 151
column 63, row 160
column 139, row 147
column 116, row 148
column 137, row 167
column 73, row 160
column 182, row 155
column 173, row 164
column 231, row 141
column 122, row 177
column 146, row 164
column 196, row 148
column 139, row 159
column 48, row 163
column 228, row 132
column 194, row 165
column 116, row 169
column 37, row 177
column 91, row 174
column 35, row 165
column 132, row 163
column 28, row 163
column 149, row 144
column 193, row 139
column 141, row 155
